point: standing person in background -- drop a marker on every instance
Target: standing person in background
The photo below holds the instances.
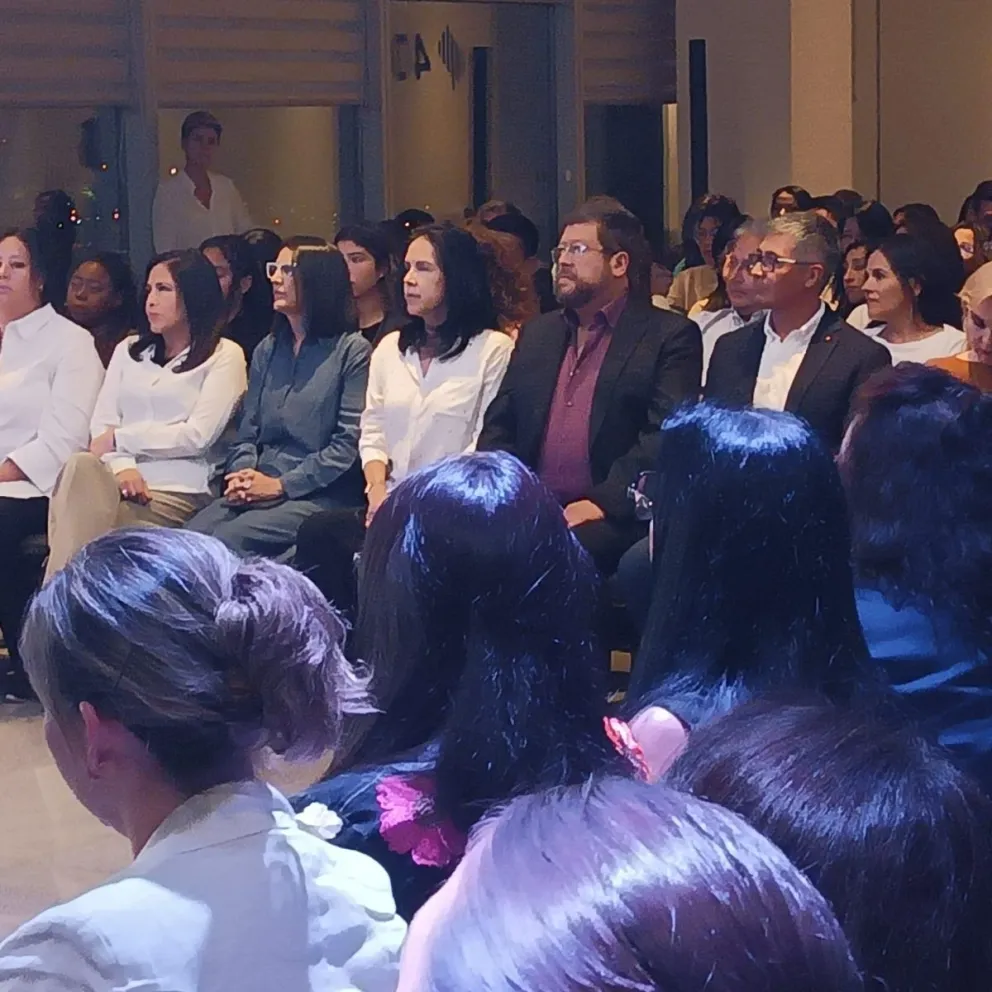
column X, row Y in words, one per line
column 296, row 451
column 698, row 277
column 104, row 299
column 197, row 203
column 50, row 375
column 588, row 386
column 909, row 289
column 248, row 310
column 168, row 396
column 372, row 268
column 430, row 384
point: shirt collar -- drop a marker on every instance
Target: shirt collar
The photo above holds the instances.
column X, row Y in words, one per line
column 610, row 314
column 31, row 322
column 801, row 336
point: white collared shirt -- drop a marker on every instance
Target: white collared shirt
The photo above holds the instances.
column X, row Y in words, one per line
column 50, row 374
column 413, row 420
column 780, row 361
column 165, row 422
column 230, row 893
column 714, row 324
column 180, row 220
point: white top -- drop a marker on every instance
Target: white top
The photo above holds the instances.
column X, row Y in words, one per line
column 179, row 220
column 412, row 419
column 165, row 422
column 50, row 375
column 713, row 325
column 230, row 893
column 945, row 343
column 780, row 362
column 858, row 318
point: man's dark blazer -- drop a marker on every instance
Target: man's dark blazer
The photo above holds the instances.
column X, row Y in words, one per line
column 652, row 364
column 839, row 360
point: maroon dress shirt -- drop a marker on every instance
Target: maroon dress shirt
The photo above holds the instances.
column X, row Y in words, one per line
column 564, row 463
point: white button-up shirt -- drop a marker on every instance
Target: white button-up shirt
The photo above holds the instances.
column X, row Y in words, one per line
column 50, row 374
column 714, row 324
column 230, row 893
column 180, row 220
column 165, row 422
column 780, row 361
column 412, row 420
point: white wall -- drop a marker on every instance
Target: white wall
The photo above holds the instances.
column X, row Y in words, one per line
column 283, row 159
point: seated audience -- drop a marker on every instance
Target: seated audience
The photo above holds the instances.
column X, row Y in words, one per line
column 981, row 205
column 800, row 357
column 850, row 198
column 166, row 667
column 741, row 297
column 832, row 211
column 752, row 588
column 908, row 290
column 104, row 299
column 526, row 233
column 430, row 384
column 895, row 838
column 697, row 279
column 620, row 885
column 247, row 294
column 972, row 243
column 50, row 374
column 916, row 465
column 855, row 273
column 870, row 224
column 168, row 396
column 367, row 250
column 476, row 613
column 789, row 200
column 413, row 218
column 588, row 386
column 912, row 216
column 975, row 364
column 511, row 287
column 297, row 446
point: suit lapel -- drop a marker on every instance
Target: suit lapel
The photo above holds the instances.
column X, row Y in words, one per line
column 819, row 350
column 752, row 346
column 624, row 339
column 553, row 342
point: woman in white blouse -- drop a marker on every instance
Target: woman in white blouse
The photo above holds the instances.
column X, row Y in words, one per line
column 912, row 290
column 166, row 666
column 168, row 396
column 430, row 384
column 50, row 374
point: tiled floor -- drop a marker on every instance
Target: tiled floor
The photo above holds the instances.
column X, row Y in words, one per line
column 51, row 849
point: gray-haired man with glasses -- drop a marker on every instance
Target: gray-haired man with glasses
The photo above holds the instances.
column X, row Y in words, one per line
column 800, row 356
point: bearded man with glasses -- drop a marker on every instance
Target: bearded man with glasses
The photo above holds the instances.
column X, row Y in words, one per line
column 800, row 356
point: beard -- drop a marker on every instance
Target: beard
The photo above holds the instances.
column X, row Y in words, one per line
column 578, row 294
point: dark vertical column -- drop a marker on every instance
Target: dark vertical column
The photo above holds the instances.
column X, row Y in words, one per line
column 699, row 137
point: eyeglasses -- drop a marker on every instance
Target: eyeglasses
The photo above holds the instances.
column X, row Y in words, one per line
column 286, row 271
column 770, row 262
column 643, row 493
column 574, row 249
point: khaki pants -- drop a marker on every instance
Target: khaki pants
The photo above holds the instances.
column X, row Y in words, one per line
column 87, row 503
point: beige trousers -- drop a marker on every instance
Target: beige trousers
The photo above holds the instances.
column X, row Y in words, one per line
column 87, row 503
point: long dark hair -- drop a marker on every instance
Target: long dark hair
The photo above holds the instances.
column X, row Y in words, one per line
column 200, row 296
column 324, row 286
column 917, row 466
column 467, row 292
column 933, row 261
column 476, row 613
column 723, row 208
column 376, row 241
column 882, row 823
column 753, row 585
column 253, row 320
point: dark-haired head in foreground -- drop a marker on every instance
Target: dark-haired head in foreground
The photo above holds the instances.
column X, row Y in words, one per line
column 620, row 885
column 753, row 586
column 891, row 833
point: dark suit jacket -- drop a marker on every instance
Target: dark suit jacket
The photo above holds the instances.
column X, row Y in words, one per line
column 653, row 363
column 838, row 361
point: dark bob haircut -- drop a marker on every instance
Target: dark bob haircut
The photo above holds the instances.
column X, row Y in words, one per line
column 476, row 613
column 932, row 271
column 467, row 293
column 896, row 838
column 753, row 586
column 917, row 466
column 375, row 239
column 202, row 302
column 620, row 885
column 325, row 288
